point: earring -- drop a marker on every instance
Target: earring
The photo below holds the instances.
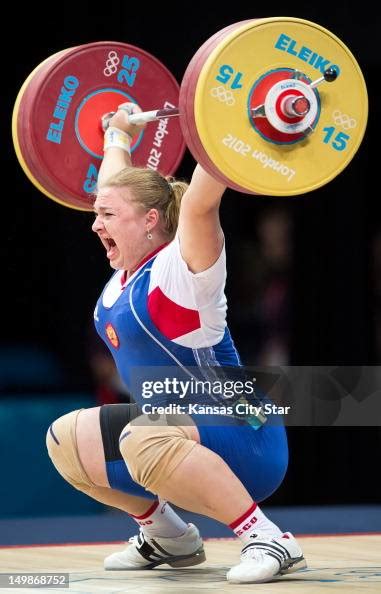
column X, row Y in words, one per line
column 149, row 235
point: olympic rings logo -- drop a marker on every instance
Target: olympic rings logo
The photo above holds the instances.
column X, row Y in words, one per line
column 342, row 119
column 223, row 95
column 111, row 64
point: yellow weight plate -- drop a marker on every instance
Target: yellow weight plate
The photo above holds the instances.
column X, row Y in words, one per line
column 222, row 98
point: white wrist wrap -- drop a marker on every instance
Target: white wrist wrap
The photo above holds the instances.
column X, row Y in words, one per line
column 117, row 138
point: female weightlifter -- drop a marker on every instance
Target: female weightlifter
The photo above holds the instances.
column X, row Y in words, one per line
column 165, row 306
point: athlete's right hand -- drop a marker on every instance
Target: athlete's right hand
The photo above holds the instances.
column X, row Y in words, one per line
column 120, row 119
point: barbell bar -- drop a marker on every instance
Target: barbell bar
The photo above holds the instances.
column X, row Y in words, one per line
column 249, row 108
column 157, row 114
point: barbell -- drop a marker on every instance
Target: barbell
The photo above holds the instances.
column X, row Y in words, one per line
column 254, row 108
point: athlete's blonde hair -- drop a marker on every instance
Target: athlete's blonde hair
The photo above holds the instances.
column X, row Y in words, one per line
column 151, row 190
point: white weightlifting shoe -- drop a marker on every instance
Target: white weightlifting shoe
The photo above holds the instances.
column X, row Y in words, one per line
column 146, row 552
column 264, row 558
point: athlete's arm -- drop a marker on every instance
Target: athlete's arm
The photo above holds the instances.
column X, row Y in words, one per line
column 200, row 234
column 115, row 158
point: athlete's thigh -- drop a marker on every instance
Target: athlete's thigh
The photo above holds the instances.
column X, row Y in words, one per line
column 258, row 457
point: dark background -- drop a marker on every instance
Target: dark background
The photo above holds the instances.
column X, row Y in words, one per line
column 54, row 268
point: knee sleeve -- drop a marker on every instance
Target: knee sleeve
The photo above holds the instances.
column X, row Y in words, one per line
column 62, row 448
column 152, row 451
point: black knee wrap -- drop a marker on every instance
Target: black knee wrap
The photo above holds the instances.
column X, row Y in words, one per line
column 113, row 418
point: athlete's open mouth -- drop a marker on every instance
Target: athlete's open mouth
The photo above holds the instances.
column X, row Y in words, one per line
column 108, row 242
column 110, row 246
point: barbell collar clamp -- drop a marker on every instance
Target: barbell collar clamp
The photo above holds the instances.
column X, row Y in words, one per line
column 330, row 75
column 259, row 111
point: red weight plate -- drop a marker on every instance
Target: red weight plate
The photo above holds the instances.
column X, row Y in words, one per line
column 59, row 130
column 186, row 105
column 187, row 93
column 18, row 116
column 186, row 101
